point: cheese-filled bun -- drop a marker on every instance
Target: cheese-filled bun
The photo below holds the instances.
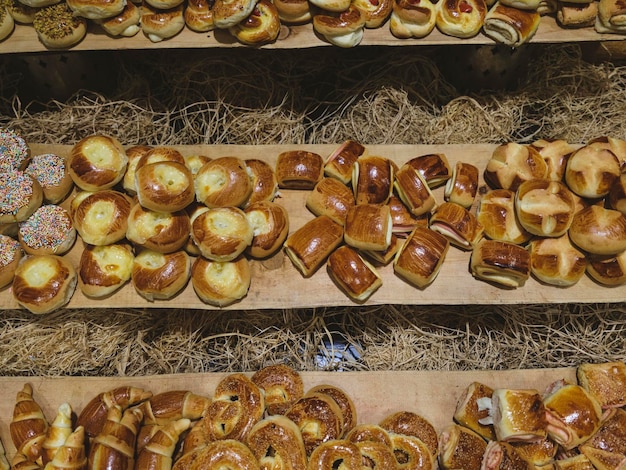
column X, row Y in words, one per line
column 102, row 270
column 159, row 231
column 160, row 276
column 97, row 162
column 222, row 182
column 165, row 186
column 96, row 9
column 270, row 226
column 221, row 283
column 101, row 218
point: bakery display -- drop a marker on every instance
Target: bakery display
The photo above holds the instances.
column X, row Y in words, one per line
column 164, row 186
column 125, row 24
column 270, row 226
column 222, row 182
column 260, row 27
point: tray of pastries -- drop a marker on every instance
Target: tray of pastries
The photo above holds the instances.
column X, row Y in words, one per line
column 101, row 224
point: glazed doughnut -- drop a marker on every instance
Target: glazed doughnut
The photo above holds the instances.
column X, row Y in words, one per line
column 199, row 15
column 356, row 277
column 48, row 231
column 134, row 154
column 164, row 232
column 375, row 12
column 236, row 406
column 276, row 442
column 160, row 276
column 104, row 269
column 7, row 24
column 14, row 152
column 270, row 226
column 260, row 27
column 599, row 231
column 372, row 179
column 319, row 419
column 462, row 186
column 282, row 385
column 227, row 453
column 10, row 255
column 410, row 18
column 293, row 11
column 299, row 169
column 591, row 171
column 165, row 186
column 96, row 9
column 412, row 453
column 512, row 163
column 97, row 162
column 228, row 13
column 21, row 12
column 343, row 400
column 264, row 182
column 52, row 174
column 556, row 261
column 344, row 29
column 124, row 24
column 369, row 433
column 20, row 196
column 414, row 191
column 101, row 218
column 336, row 453
column 409, row 423
column 44, row 283
column 222, row 233
column 221, row 283
column 159, row 25
column 331, row 197
column 461, row 18
column 223, row 182
column 421, row 256
column 457, row 224
column 57, row 27
column 368, row 227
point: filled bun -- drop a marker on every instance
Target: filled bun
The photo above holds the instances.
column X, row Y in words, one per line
column 330, row 197
column 158, row 25
column 260, row 27
column 420, row 258
column 165, row 186
column 57, row 27
column 10, row 255
column 160, row 276
column 97, row 162
column 501, row 263
column 372, row 179
column 125, row 24
column 263, row 178
column 221, row 283
column 341, row 160
column 556, row 261
column 591, row 171
column 357, row 278
column 96, row 9
column 344, row 29
column 101, row 218
column 164, row 232
column 223, row 182
column 496, row 214
column 102, row 270
column 270, row 226
column 599, row 231
column 608, row 270
column 299, row 169
column 221, row 233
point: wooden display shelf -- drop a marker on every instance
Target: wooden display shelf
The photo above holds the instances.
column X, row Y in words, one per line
column 276, row 284
column 375, row 394
column 24, row 39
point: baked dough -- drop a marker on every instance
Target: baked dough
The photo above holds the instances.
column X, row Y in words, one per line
column 299, row 169
column 165, row 186
column 159, row 25
column 222, row 182
column 10, row 255
column 102, row 270
column 97, row 162
column 434, row 168
column 20, row 196
column 341, row 160
column 414, row 191
column 125, row 24
column 221, row 283
column 357, row 278
column 96, row 9
column 502, row 263
column 343, row 30
column 199, row 15
column 462, row 186
column 461, row 18
column 510, row 25
column 260, row 27
column 331, row 197
column 222, row 233
column 420, row 258
column 49, row 230
column 228, row 13
column 283, row 386
column 52, row 173
column 412, row 19
column 160, row 276
column 164, row 232
column 368, row 227
column 270, row 226
column 457, row 224
column 373, row 179
column 57, row 27
column 101, row 217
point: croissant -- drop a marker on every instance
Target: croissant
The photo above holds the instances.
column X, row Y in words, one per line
column 21, row 462
column 71, row 455
column 29, row 426
column 4, row 463
column 58, row 432
column 174, row 405
column 114, row 446
column 159, row 452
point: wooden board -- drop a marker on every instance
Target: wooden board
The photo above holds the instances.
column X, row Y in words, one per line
column 375, row 394
column 24, row 39
column 276, row 284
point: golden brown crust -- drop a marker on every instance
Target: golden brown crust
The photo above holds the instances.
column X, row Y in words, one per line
column 518, row 415
column 354, row 275
column 57, row 27
column 101, row 218
column 368, row 227
column 511, row 26
column 460, row 447
column 331, row 197
column 591, row 171
column 544, row 208
column 269, row 222
column 44, row 283
column 414, row 191
column 293, row 11
column 227, row 453
column 372, row 180
column 343, row 400
column 576, row 15
column 97, row 162
column 158, row 24
column 409, row 423
column 160, row 276
column 222, row 182
column 555, row 153
column 468, row 413
column 462, row 186
column 513, row 163
column 335, row 452
column 134, row 154
column 164, row 232
column 608, row 270
column 503, row 455
column 375, row 12
column 412, row 452
column 606, row 382
column 403, row 221
column 496, row 213
column 96, row 9
column 260, row 27
column 412, row 18
column 199, row 15
column 28, row 426
column 10, row 255
column 369, row 433
column 340, row 162
column 264, row 183
column 276, row 442
column 540, row 453
column 556, row 261
column 434, row 168
column 299, row 169
column 221, row 283
column 104, row 269
column 222, row 233
column 165, row 186
column 282, row 385
column 457, row 224
column 599, row 231
column 343, row 29
column 461, row 18
column 617, row 195
column 52, row 173
column 48, row 231
column 124, row 24
column 227, row 13
column 421, row 256
column 502, row 263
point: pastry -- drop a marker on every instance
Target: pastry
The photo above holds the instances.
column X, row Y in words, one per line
column 158, row 154
column 162, row 447
column 402, row 220
column 599, row 231
column 577, row 15
column 96, row 9
column 270, row 226
column 384, row 257
column 460, row 447
column 617, row 195
column 227, row 453
column 462, row 187
column 48, row 231
column 101, row 218
column 555, row 153
column 502, row 455
column 607, row 447
column 512, row 163
column 502, row 263
column 344, row 29
column 408, row 423
column 420, row 258
column 293, row 11
column 457, row 224
column 470, row 413
column 164, row 232
column 173, row 405
column 357, row 278
column 283, row 386
column 413, row 191
column 133, row 154
column 496, row 214
column 310, row 245
column 343, row 400
column 614, row 144
column 102, row 270
column 375, row 12
column 341, row 160
column 369, row 433
column 195, row 162
column 57, row 27
column 53, row 176
column 608, row 270
column 199, row 15
column 162, row 5
column 58, row 432
column 117, row 440
column 221, row 283
column 260, row 27
column 21, row 12
column 28, row 425
column 412, row 19
column 222, row 233
column 461, row 18
column 20, row 196
column 223, row 182
column 377, row 454
column 544, row 207
column 227, row 13
column 160, row 276
column 510, row 25
column 97, row 162
column 372, row 179
column 276, row 442
column 10, row 255
column 610, row 18
column 44, row 283
column 335, row 453
column 606, row 382
column 591, row 171
column 158, row 25
column 299, row 169
column 434, row 168
column 331, row 197
column 540, row 453
column 7, row 23
column 412, row 452
column 165, row 186
column 519, row 415
column 555, row 261
column 368, row 227
column 264, row 182
column 125, row 24
column 15, row 153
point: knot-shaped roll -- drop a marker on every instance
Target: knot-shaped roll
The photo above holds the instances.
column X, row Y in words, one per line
column 344, row 29
column 262, row 26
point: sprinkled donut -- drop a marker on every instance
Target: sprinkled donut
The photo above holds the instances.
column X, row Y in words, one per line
column 20, row 196
column 48, row 231
column 51, row 172
column 14, row 152
column 10, row 255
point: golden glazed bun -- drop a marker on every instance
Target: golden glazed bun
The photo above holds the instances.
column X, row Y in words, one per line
column 556, row 261
column 591, row 171
column 228, row 13
column 617, row 195
column 510, row 25
column 97, row 162
column 164, row 232
column 57, row 27
column 599, row 231
column 368, row 227
column 461, row 18
column 496, row 213
column 7, row 24
column 403, row 221
column 410, row 19
column 283, row 386
column 10, row 255
column 44, row 283
column 434, row 168
column 20, row 196
column 158, row 25
column 555, row 153
column 409, row 423
column 160, row 276
column 513, row 163
column 221, row 233
column 608, row 270
column 357, row 278
column 373, row 179
column 260, row 27
column 375, row 13
column 165, row 186
column 340, row 162
column 125, row 24
column 134, row 154
column 299, row 169
column 102, row 270
column 52, row 173
column 501, row 263
column 293, row 11
column 160, row 153
column 270, row 226
column 414, row 191
column 332, row 198
column 101, row 218
column 264, row 182
column 457, row 224
column 344, row 29
column 195, row 162
column 199, row 15
column 420, row 258
column 48, row 231
column 223, row 182
column 96, row 9
column 462, row 186
column 221, row 283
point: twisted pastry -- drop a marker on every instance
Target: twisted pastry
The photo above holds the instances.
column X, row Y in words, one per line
column 58, row 432
column 282, row 385
column 260, row 27
column 227, row 453
column 114, row 446
column 71, row 455
column 412, row 18
column 412, row 424
column 343, row 400
column 461, row 18
column 277, row 443
column 378, row 455
column 343, row 30
column 412, row 453
column 199, row 15
column 375, row 12
column 159, row 452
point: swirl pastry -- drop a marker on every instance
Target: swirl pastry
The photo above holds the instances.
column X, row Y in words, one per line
column 357, row 278
column 412, row 453
column 282, row 385
column 512, row 163
column 227, row 453
column 414, row 191
column 20, row 196
column 462, row 186
column 412, row 424
column 10, row 255
column 420, row 258
column 57, row 27
column 160, row 276
column 412, row 18
column 164, row 232
column 51, row 171
column 341, row 160
column 332, row 198
column 199, row 15
column 337, row 453
column 104, row 269
column 49, row 230
column 221, row 283
column 158, row 25
column 44, row 283
column 276, row 442
column 460, row 447
column 372, row 179
column 461, row 18
column 502, row 263
column 260, row 27
column 270, row 226
column 343, row 30
column 101, row 218
column 228, row 13
column 97, row 162
column 125, row 24
column 375, row 12
column 511, row 26
column 556, row 261
column 223, row 182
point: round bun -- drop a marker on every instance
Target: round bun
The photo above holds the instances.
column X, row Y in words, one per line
column 461, row 18
column 44, row 283
column 10, row 255
column 20, row 196
column 617, row 195
column 260, row 27
column 21, row 12
column 293, row 11
column 555, row 261
column 159, row 154
column 102, row 270
column 270, row 226
column 599, row 231
column 125, row 24
column 223, row 182
column 544, row 208
column 608, row 270
column 165, row 186
column 512, row 163
column 160, row 276
column 134, row 155
column 409, row 19
column 221, row 283
column 228, row 13
column 344, row 29
column 96, row 9
column 58, row 28
column 264, row 182
column 591, row 171
column 221, row 233
column 375, row 13
column 101, row 218
column 164, row 4
column 52, row 173
column 496, row 213
column 195, row 162
column 48, row 231
column 15, row 153
column 299, row 169
column 282, row 384
column 97, row 162
column 555, row 153
column 164, row 232
column 199, row 16
column 158, row 25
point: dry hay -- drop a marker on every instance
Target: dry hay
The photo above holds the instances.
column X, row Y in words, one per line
column 375, row 95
